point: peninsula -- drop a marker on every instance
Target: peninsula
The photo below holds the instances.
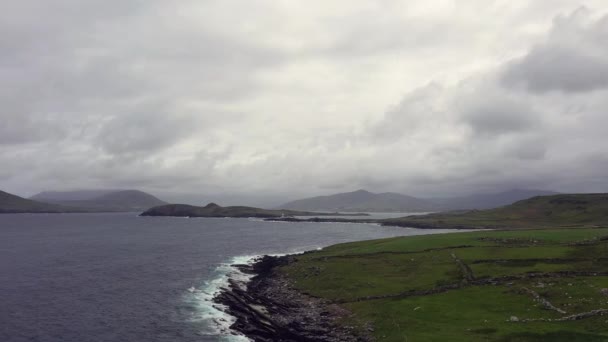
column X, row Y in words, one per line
column 519, row 283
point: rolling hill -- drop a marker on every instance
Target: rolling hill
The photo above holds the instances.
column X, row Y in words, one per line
column 489, row 200
column 556, row 211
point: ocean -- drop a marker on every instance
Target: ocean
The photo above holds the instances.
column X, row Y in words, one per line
column 121, row 277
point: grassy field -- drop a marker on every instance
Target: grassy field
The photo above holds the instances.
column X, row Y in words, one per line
column 483, row 286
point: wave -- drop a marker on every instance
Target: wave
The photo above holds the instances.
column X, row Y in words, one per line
column 212, row 316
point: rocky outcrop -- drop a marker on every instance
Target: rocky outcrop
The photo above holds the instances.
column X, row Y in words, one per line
column 268, row 309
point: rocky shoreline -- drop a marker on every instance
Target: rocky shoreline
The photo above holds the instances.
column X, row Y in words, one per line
column 268, row 308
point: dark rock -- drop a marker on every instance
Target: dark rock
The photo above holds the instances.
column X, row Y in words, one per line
column 269, row 309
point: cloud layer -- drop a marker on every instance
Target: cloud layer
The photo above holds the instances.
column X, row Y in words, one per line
column 288, row 99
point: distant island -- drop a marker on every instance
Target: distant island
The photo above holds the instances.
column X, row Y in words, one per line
column 366, row 201
column 214, row 210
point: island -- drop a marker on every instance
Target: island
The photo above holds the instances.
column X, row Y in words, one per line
column 215, row 210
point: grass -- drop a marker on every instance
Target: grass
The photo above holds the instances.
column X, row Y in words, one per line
column 416, row 288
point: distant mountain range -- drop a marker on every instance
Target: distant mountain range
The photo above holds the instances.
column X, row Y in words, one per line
column 365, row 201
column 356, row 201
column 10, row 203
column 362, row 200
column 100, row 200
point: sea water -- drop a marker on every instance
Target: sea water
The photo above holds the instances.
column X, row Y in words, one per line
column 121, row 277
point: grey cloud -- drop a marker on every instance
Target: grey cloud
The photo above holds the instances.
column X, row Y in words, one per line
column 151, row 130
column 550, row 68
column 529, row 148
column 495, row 116
column 574, row 58
column 411, row 114
column 71, row 66
column 18, row 129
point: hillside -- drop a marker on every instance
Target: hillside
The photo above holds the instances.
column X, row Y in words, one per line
column 566, row 210
column 102, row 200
column 362, row 200
column 489, row 200
column 10, row 203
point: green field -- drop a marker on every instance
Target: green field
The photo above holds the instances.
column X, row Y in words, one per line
column 481, row 286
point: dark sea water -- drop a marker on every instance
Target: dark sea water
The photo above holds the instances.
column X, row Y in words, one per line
column 120, row 277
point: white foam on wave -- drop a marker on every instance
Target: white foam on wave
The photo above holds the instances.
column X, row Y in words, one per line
column 215, row 321
column 213, row 316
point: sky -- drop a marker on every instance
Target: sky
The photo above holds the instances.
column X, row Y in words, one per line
column 278, row 99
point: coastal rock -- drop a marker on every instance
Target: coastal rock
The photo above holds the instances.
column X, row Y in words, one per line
column 269, row 309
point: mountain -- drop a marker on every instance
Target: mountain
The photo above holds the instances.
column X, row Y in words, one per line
column 101, row 200
column 214, row 210
column 488, row 201
column 556, row 211
column 10, row 203
column 362, row 200
column 76, row 195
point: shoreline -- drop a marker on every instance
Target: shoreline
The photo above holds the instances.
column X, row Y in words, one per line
column 381, row 222
column 264, row 306
column 267, row 308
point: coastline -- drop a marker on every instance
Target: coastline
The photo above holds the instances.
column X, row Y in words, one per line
column 266, row 307
column 383, row 222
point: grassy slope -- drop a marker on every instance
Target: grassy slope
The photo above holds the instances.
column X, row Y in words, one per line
column 581, row 210
column 354, row 274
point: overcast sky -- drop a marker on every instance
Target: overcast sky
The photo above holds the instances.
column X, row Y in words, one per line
column 292, row 98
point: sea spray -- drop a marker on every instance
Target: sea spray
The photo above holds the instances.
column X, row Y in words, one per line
column 212, row 316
